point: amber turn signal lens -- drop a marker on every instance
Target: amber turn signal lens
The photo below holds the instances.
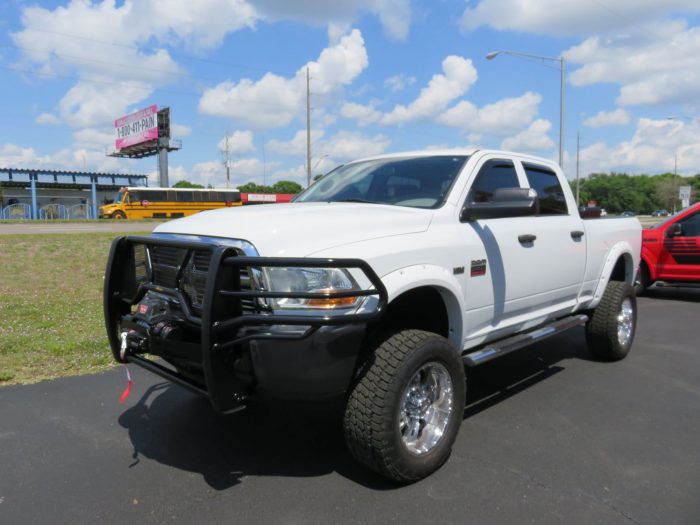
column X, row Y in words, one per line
column 332, row 302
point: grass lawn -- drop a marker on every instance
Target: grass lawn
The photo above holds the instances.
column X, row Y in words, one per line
column 51, row 321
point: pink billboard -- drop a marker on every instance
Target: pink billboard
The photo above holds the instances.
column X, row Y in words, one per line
column 137, row 127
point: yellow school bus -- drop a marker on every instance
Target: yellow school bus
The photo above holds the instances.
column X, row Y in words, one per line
column 166, row 203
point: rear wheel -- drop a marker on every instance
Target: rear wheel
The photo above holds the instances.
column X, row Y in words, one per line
column 610, row 330
column 404, row 410
column 119, row 215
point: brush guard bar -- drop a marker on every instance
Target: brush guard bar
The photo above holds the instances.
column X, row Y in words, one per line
column 217, row 323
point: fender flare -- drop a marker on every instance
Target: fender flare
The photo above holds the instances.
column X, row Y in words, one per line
column 409, row 278
column 621, row 249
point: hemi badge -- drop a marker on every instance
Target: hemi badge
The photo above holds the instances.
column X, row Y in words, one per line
column 478, row 267
column 458, row 270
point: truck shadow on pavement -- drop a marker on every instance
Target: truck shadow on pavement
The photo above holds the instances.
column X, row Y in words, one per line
column 174, row 427
column 673, row 293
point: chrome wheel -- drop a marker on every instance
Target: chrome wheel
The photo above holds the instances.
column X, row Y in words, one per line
column 625, row 322
column 426, row 408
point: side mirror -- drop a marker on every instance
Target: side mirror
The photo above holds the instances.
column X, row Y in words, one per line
column 674, row 230
column 507, row 202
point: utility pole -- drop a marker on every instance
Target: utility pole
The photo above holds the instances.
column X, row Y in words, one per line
column 308, row 130
column 226, row 152
column 578, row 181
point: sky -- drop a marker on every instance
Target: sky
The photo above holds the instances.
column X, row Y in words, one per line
column 385, row 76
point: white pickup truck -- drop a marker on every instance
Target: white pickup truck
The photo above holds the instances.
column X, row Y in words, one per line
column 379, row 284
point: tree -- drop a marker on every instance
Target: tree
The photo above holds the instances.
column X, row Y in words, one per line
column 186, row 184
column 286, row 186
column 282, row 186
column 251, row 187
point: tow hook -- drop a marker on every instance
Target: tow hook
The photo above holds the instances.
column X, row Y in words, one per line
column 122, row 350
column 131, row 339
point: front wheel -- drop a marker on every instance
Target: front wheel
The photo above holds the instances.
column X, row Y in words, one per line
column 119, row 215
column 610, row 330
column 404, row 410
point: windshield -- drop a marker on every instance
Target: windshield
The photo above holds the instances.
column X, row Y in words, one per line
column 119, row 197
column 418, row 182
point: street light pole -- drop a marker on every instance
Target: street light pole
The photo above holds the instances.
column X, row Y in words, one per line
column 560, row 61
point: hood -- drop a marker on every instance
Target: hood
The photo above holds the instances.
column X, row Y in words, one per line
column 301, row 229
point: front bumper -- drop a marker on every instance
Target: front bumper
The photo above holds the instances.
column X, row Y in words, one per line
column 225, row 348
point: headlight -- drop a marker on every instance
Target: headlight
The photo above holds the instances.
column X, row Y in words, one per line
column 310, row 280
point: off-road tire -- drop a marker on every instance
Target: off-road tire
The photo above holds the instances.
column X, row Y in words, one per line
column 371, row 422
column 642, row 281
column 119, row 215
column 602, row 327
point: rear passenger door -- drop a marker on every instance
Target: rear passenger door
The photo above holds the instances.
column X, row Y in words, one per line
column 560, row 245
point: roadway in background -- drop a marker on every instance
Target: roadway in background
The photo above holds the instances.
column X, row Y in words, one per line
column 125, row 226
column 549, row 436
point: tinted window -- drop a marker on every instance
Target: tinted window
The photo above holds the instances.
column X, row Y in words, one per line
column 154, row 196
column 545, row 182
column 691, row 226
column 184, row 196
column 493, row 175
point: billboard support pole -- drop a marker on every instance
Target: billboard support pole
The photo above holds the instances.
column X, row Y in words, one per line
column 163, row 162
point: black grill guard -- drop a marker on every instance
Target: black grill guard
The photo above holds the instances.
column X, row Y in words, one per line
column 220, row 325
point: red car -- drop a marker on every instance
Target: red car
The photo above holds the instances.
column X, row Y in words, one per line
column 671, row 251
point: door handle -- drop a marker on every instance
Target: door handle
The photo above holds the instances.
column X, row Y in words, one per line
column 527, row 238
column 576, row 234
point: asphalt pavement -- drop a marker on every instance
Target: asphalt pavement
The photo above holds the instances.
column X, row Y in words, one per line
column 549, row 436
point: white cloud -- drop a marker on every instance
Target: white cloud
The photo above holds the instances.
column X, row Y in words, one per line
column 296, row 146
column 92, row 138
column 180, row 130
column 47, row 118
column 75, row 39
column 651, row 149
column 655, row 66
column 458, row 76
column 364, row 115
column 12, row 155
column 395, row 15
column 87, row 105
column 534, row 139
column 579, row 17
column 618, row 117
column 501, row 118
column 345, row 145
column 274, row 101
column 238, row 142
column 399, row 82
